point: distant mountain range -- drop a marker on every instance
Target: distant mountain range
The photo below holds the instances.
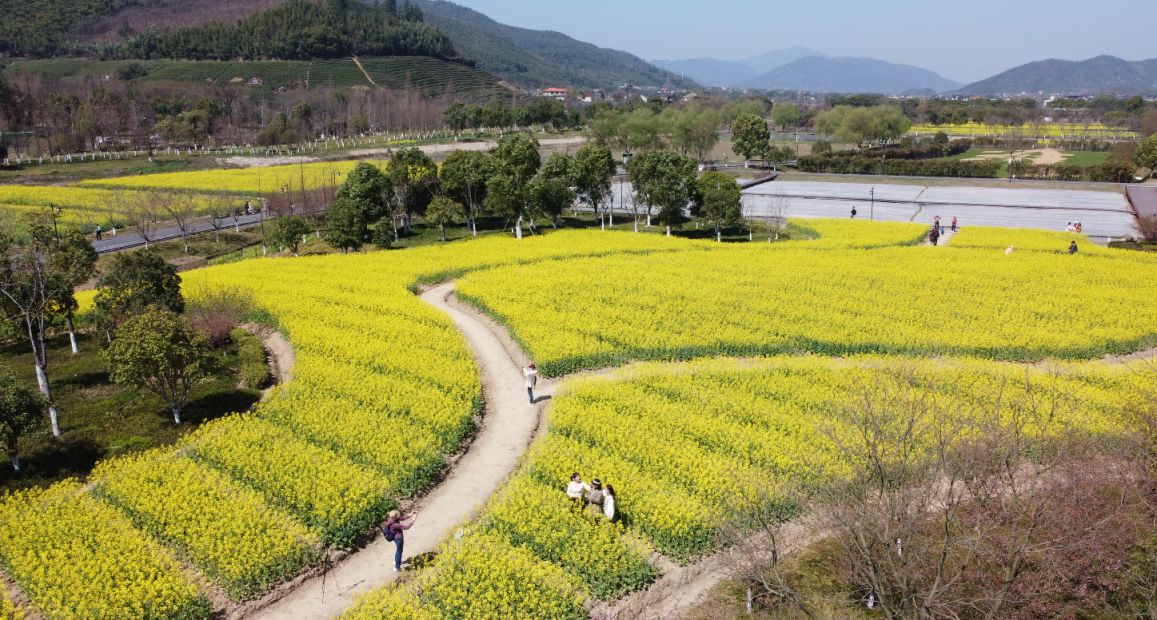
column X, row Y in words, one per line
column 850, row 75
column 734, row 73
column 801, row 68
column 1095, row 76
column 536, row 58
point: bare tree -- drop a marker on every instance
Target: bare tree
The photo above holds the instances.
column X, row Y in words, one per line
column 142, row 212
column 777, row 214
column 181, row 207
column 937, row 489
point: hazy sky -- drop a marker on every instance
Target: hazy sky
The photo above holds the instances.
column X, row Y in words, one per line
column 963, row 41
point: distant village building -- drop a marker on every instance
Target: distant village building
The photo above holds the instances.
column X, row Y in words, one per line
column 559, row 94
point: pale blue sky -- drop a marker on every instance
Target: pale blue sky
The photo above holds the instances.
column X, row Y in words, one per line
column 963, row 41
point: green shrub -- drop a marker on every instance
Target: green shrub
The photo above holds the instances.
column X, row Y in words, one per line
column 254, row 369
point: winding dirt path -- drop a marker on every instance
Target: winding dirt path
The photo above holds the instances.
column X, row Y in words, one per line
column 282, row 359
column 506, row 431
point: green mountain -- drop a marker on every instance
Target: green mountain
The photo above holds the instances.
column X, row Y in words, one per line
column 536, row 58
column 1095, row 76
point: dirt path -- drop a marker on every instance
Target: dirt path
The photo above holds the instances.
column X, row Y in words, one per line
column 682, row 588
column 281, row 356
column 506, row 431
column 358, row 62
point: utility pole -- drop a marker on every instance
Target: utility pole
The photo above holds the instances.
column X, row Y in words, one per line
column 872, row 213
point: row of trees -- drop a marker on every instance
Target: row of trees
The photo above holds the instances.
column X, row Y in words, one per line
column 137, row 307
column 497, row 114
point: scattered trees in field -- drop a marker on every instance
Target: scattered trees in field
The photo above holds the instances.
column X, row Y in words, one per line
column 594, row 165
column 288, row 232
column 74, row 260
column 216, row 312
column 864, row 126
column 1146, row 154
column 158, row 351
column 134, row 282
column 36, row 283
column 664, row 180
column 444, row 212
column 413, row 178
column 750, row 136
column 20, row 411
column 718, row 201
column 516, row 161
column 785, row 115
column 463, row 177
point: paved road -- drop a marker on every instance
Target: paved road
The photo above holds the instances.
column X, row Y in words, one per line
column 127, row 239
column 1103, row 214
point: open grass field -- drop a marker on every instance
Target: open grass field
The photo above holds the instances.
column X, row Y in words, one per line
column 780, row 336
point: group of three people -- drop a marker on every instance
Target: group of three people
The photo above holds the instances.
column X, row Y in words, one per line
column 595, row 494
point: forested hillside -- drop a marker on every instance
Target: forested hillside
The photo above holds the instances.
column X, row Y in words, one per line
column 536, row 58
column 293, row 30
column 299, row 30
column 41, row 28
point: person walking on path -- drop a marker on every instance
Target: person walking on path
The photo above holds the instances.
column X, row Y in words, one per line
column 955, row 225
column 1073, row 247
column 609, row 503
column 934, row 235
column 99, row 232
column 854, row 213
column 531, row 374
column 394, row 531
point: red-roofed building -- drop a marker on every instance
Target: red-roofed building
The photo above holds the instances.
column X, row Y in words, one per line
column 556, row 93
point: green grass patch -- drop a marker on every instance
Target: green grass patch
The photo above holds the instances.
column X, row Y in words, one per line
column 1086, row 159
column 100, row 419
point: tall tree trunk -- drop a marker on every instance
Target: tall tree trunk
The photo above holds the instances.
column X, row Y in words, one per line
column 14, row 453
column 668, row 230
column 71, row 333
column 177, row 415
column 40, row 360
column 718, row 234
column 443, row 227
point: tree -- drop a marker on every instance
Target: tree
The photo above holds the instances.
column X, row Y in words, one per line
column 414, row 179
column 719, row 201
column 158, row 351
column 665, row 180
column 444, row 211
column 136, row 281
column 823, row 147
column 181, row 208
column 1149, row 123
column 288, row 231
column 369, row 190
column 749, row 136
column 346, row 227
column 20, row 410
column 516, row 161
column 550, row 196
column 1146, row 154
column 864, row 126
column 73, row 259
column 33, row 293
column 464, row 175
column 696, row 131
column 594, row 165
column 142, row 212
column 785, row 115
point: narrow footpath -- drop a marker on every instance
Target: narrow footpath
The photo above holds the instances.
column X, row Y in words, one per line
column 507, row 428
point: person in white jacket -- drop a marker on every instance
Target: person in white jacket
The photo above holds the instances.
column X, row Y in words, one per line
column 531, row 374
column 609, row 503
